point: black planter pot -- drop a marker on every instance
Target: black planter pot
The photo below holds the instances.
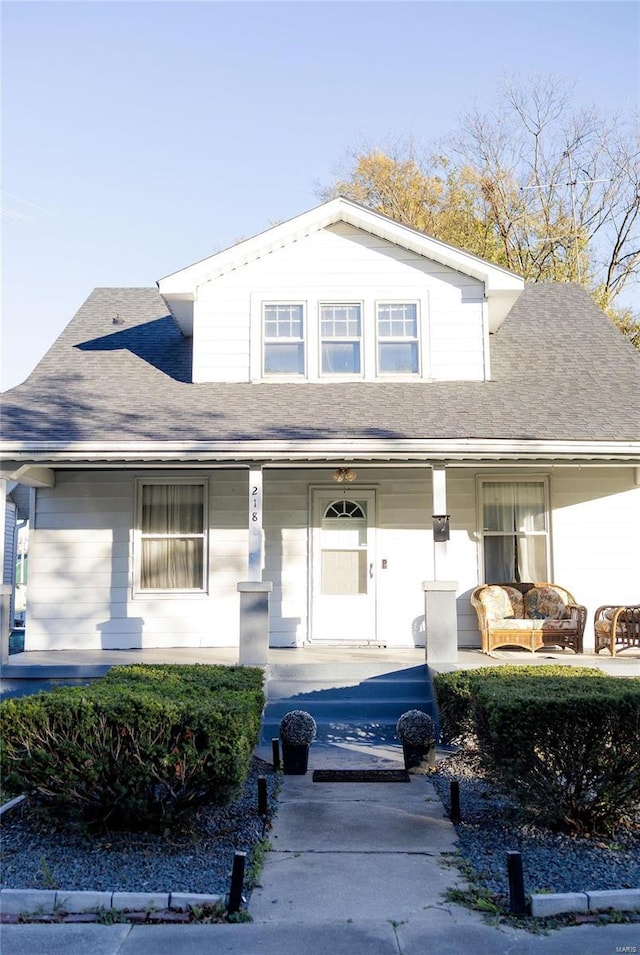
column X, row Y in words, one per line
column 415, row 756
column 295, row 759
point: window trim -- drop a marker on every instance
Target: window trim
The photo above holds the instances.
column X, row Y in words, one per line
column 311, row 298
column 264, row 340
column 513, row 478
column 138, row 591
column 337, row 303
column 420, row 344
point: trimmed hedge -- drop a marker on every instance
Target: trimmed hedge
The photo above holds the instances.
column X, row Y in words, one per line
column 564, row 741
column 137, row 747
column 455, row 692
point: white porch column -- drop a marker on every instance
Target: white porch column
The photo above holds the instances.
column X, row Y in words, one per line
column 439, row 507
column 256, row 533
column 440, row 616
column 254, row 592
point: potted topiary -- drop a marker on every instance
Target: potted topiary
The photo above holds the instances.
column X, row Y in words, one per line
column 417, row 733
column 297, row 732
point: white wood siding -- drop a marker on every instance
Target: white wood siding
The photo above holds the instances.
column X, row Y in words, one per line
column 403, row 539
column 286, row 522
column 596, row 537
column 339, row 262
column 462, row 550
column 81, row 560
column 81, row 552
column 405, row 542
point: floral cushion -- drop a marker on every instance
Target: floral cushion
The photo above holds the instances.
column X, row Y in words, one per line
column 501, row 603
column 541, row 603
column 514, row 624
column 603, row 626
column 535, row 624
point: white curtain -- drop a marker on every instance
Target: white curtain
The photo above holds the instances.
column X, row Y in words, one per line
column 514, row 524
column 172, row 537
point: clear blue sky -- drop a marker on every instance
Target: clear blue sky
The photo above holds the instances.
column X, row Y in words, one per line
column 141, row 137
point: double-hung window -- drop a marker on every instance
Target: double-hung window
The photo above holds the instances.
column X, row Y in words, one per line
column 283, row 335
column 341, row 339
column 515, row 530
column 398, row 351
column 172, row 536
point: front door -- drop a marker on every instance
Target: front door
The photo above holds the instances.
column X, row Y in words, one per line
column 343, row 590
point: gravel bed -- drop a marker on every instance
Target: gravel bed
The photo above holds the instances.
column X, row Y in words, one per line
column 36, row 856
column 491, row 826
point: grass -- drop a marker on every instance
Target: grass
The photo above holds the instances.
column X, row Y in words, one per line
column 480, row 899
column 256, row 864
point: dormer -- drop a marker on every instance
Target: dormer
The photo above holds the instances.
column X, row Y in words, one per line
column 340, row 293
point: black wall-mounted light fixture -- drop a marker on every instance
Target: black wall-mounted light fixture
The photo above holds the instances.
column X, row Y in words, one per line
column 440, row 527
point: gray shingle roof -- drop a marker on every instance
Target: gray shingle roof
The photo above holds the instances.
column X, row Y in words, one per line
column 561, row 372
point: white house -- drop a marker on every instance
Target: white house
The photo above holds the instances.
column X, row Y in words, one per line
column 306, row 408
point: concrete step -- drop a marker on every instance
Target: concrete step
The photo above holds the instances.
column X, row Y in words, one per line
column 347, row 703
column 375, row 688
column 349, row 709
column 346, row 672
column 364, row 732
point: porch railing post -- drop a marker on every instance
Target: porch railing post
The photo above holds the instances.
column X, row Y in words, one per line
column 5, row 621
column 440, row 621
column 254, row 622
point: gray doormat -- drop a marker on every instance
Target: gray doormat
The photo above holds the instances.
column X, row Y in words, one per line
column 361, row 776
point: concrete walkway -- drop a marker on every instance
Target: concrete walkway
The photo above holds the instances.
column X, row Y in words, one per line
column 376, row 848
column 355, row 869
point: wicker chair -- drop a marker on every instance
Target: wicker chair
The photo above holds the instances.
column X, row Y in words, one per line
column 529, row 616
column 617, row 628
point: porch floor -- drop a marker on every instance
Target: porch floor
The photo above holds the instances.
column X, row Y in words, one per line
column 625, row 664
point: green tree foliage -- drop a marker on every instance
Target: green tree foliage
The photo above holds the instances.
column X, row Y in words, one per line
column 541, row 188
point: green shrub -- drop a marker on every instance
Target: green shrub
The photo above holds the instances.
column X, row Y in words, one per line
column 138, row 747
column 568, row 749
column 208, row 678
column 455, row 692
column 564, row 741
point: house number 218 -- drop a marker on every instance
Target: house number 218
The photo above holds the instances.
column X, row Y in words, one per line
column 255, row 505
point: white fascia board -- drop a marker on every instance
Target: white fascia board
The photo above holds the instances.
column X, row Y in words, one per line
column 131, row 453
column 494, row 277
column 189, row 278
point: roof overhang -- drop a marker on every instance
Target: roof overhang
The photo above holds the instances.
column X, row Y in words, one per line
column 29, row 474
column 179, row 289
column 458, row 451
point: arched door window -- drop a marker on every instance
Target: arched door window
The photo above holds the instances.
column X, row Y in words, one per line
column 344, row 548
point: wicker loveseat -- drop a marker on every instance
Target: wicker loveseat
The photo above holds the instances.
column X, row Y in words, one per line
column 528, row 615
column 617, row 628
